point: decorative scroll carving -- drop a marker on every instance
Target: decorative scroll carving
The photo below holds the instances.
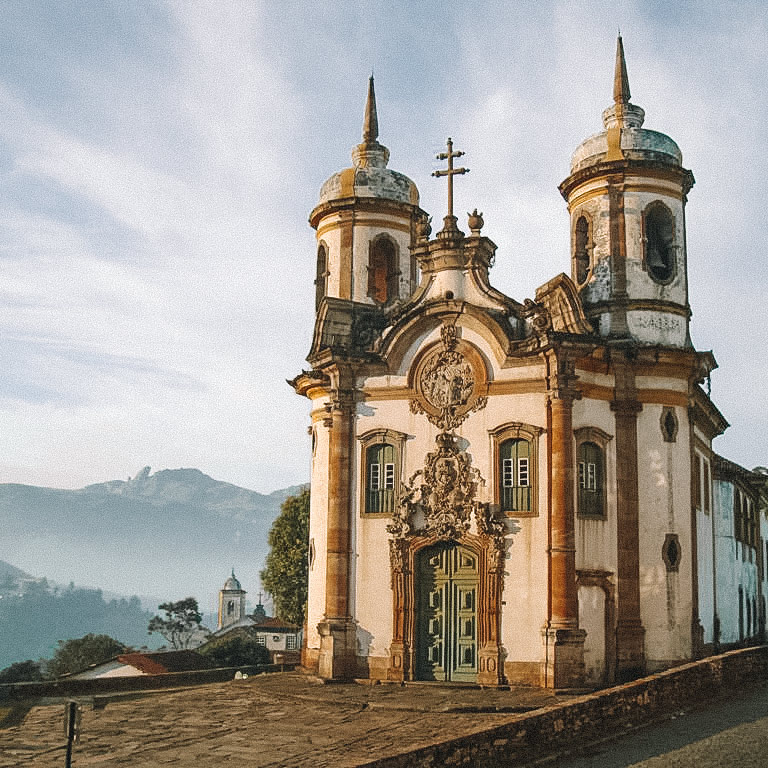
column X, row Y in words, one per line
column 447, row 383
column 445, row 491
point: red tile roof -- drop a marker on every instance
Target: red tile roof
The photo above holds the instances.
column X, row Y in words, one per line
column 273, row 624
column 165, row 661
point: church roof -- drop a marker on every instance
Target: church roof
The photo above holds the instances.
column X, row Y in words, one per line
column 232, row 584
column 369, row 176
column 624, row 138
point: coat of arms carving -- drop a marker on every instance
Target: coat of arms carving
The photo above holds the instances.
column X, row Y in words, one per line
column 447, row 383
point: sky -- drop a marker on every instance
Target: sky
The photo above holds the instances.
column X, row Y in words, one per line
column 159, row 159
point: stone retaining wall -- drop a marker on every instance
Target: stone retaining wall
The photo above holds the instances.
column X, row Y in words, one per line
column 105, row 685
column 591, row 717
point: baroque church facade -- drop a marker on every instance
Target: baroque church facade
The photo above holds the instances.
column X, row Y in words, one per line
column 509, row 491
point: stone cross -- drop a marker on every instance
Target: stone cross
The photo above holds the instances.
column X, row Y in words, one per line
column 450, row 172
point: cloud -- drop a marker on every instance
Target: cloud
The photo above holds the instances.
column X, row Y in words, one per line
column 159, row 162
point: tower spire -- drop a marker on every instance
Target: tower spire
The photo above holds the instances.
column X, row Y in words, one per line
column 621, row 92
column 369, row 153
column 371, row 120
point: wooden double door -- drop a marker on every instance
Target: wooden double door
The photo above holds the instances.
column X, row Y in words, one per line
column 447, row 581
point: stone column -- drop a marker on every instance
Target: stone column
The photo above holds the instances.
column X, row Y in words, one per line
column 630, row 634
column 337, row 630
column 564, row 667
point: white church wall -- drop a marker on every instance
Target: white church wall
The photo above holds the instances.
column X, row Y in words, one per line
column 596, row 540
column 705, row 551
column 592, row 619
column 664, row 508
column 363, row 236
column 331, row 237
column 318, row 531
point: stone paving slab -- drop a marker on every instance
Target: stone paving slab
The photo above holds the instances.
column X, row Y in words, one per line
column 270, row 721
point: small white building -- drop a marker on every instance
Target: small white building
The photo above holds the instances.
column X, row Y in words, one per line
column 137, row 664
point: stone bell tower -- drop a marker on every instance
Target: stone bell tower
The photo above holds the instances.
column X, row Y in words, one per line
column 626, row 195
column 365, row 221
column 231, row 602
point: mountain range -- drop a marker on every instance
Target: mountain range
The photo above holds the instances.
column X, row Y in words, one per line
column 162, row 536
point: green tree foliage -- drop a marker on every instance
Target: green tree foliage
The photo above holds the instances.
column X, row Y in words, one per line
column 79, row 654
column 235, row 650
column 285, row 574
column 22, row 672
column 181, row 623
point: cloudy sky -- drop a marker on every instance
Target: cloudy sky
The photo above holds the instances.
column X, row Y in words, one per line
column 158, row 161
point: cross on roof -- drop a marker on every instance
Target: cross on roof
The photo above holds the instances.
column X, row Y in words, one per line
column 450, row 172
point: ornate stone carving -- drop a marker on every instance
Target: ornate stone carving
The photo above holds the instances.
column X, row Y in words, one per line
column 447, row 384
column 445, row 491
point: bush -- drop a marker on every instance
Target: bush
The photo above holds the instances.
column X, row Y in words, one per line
column 77, row 655
column 235, row 651
column 22, row 672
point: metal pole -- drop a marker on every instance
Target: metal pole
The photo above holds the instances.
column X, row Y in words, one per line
column 71, row 727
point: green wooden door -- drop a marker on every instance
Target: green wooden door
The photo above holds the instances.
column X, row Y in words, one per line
column 446, row 622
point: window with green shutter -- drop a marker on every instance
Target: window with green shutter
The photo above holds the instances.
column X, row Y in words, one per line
column 380, row 478
column 515, row 475
column 591, row 480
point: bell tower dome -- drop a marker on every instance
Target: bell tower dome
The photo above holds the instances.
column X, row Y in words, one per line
column 365, row 222
column 626, row 195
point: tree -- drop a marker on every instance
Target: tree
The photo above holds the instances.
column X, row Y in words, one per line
column 286, row 571
column 76, row 655
column 22, row 672
column 181, row 623
column 235, row 650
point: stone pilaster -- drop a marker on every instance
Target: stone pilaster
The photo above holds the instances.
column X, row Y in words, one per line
column 337, row 630
column 630, row 633
column 564, row 661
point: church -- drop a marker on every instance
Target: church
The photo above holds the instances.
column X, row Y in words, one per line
column 519, row 492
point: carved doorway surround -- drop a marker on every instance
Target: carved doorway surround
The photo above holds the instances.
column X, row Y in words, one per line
column 403, row 648
column 439, row 505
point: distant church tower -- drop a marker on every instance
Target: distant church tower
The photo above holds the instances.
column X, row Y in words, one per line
column 231, row 602
column 626, row 194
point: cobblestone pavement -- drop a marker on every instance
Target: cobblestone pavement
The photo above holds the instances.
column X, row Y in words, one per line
column 270, row 721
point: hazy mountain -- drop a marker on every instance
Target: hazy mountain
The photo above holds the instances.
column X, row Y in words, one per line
column 35, row 614
column 171, row 534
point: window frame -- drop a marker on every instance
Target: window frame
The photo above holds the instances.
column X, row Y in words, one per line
column 515, row 430
column 649, row 212
column 371, row 439
column 392, row 271
column 321, row 274
column 601, row 440
column 588, row 247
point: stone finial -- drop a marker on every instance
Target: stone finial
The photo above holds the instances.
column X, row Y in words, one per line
column 621, row 114
column 621, row 92
column 370, row 153
column 371, row 120
column 424, row 228
column 475, row 222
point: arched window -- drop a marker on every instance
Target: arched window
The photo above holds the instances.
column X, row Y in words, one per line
column 515, row 451
column 515, row 475
column 581, row 249
column 380, row 478
column 230, row 607
column 381, row 462
column 321, row 281
column 659, row 242
column 382, row 271
column 591, row 475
